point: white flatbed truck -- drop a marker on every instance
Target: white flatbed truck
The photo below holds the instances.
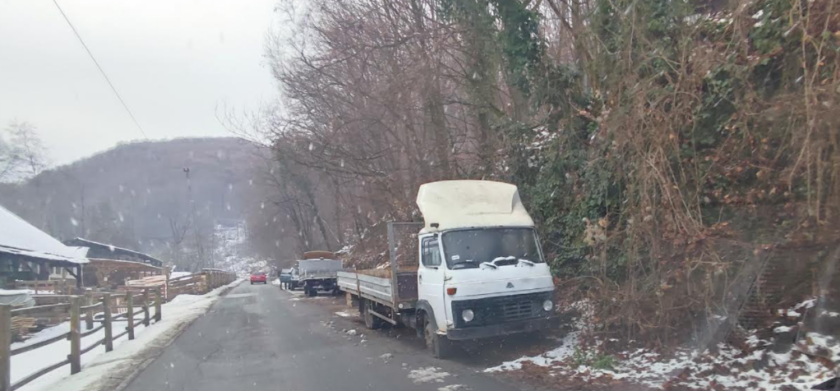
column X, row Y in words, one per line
column 474, row 269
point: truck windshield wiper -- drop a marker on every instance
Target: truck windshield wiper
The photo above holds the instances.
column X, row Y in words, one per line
column 489, row 264
column 527, row 262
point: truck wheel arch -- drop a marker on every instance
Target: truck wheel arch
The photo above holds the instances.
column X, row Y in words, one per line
column 424, row 309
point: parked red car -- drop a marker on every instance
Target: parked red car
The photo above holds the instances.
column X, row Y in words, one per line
column 259, row 277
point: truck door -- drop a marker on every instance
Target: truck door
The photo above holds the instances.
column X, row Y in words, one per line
column 430, row 278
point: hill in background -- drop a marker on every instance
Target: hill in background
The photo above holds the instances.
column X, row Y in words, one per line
column 138, row 195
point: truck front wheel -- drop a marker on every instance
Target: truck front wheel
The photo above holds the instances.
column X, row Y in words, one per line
column 439, row 345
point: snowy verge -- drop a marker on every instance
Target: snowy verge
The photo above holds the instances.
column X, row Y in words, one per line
column 758, row 368
column 579, row 360
column 112, row 371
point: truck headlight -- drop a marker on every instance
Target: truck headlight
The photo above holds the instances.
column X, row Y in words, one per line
column 548, row 305
column 468, row 315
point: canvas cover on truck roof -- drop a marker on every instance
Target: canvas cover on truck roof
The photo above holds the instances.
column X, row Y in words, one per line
column 471, row 203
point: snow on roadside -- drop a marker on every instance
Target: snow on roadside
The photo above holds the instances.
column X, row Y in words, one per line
column 427, row 375
column 276, row 282
column 97, row 366
column 44, row 334
column 26, row 363
column 345, row 314
column 729, row 367
column 557, row 355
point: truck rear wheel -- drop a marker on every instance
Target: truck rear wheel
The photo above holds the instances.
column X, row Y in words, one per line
column 440, row 346
column 371, row 321
column 312, row 292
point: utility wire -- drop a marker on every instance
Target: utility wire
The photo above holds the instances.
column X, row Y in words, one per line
column 140, row 128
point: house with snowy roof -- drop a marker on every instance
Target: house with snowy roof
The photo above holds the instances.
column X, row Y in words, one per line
column 110, row 266
column 27, row 253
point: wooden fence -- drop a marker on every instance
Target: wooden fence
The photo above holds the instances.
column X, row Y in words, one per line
column 82, row 311
column 199, row 283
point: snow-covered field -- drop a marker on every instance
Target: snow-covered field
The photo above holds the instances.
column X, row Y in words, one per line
column 96, row 364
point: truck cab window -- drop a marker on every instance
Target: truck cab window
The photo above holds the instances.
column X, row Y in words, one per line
column 431, row 253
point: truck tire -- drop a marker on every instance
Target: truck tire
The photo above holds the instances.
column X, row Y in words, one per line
column 371, row 321
column 440, row 346
column 312, row 292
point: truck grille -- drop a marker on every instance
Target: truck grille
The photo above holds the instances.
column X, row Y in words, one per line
column 496, row 310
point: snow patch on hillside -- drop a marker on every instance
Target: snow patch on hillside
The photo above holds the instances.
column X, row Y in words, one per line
column 232, row 251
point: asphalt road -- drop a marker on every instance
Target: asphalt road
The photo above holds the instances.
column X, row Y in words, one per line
column 259, row 337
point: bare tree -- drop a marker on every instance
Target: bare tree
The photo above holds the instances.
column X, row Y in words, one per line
column 23, row 155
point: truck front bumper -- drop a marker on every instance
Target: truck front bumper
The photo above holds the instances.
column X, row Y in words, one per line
column 495, row 330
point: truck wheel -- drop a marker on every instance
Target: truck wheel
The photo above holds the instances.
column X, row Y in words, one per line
column 371, row 321
column 313, row 292
column 439, row 345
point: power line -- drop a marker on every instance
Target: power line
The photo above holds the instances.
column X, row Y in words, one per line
column 140, row 128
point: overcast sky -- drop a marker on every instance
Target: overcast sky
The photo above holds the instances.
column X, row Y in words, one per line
column 173, row 61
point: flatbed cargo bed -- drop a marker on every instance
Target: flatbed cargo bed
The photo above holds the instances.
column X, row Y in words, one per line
column 380, row 288
column 379, row 284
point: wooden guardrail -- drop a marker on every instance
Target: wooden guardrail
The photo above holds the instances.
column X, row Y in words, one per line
column 199, row 283
column 77, row 307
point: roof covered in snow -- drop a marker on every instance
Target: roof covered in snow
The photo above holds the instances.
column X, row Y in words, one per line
column 470, row 203
column 18, row 237
column 81, row 252
column 108, row 251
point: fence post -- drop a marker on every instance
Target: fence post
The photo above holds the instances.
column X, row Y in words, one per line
column 166, row 284
column 158, row 302
column 129, row 313
column 5, row 347
column 146, row 317
column 75, row 337
column 109, row 331
column 89, row 312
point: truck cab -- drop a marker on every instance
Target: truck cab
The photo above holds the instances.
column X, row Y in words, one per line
column 481, row 271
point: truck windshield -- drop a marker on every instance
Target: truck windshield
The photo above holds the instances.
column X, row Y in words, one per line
column 506, row 246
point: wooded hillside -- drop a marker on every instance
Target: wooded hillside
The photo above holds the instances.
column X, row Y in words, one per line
column 662, row 146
